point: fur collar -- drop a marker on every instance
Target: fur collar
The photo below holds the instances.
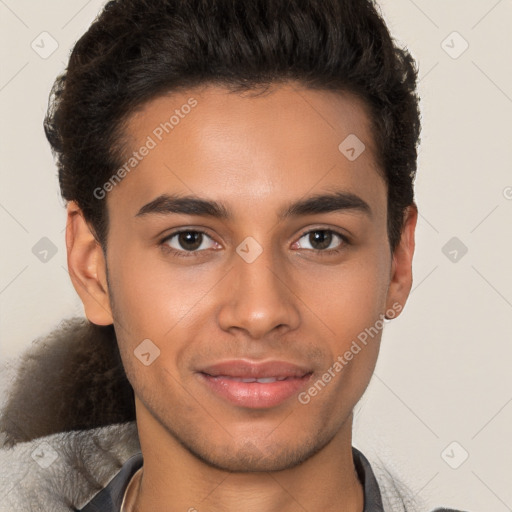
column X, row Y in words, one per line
column 69, row 401
column 71, row 379
column 63, row 472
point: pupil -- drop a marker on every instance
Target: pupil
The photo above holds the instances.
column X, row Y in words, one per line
column 190, row 237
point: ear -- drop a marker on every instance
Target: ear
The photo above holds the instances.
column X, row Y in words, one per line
column 401, row 267
column 87, row 267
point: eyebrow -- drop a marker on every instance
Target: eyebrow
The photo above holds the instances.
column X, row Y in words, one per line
column 166, row 204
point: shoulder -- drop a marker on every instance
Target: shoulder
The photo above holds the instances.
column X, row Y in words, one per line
column 64, row 471
column 395, row 493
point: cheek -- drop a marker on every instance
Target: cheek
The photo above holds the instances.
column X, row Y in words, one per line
column 151, row 295
column 350, row 296
column 349, row 303
column 161, row 303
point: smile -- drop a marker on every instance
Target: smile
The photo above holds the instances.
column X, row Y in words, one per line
column 254, row 385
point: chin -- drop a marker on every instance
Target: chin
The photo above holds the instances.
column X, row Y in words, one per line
column 249, row 457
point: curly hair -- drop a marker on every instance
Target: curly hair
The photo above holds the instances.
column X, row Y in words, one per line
column 137, row 50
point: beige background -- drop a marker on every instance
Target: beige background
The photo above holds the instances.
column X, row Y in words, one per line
column 444, row 370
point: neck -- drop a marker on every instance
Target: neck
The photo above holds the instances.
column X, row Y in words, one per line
column 173, row 479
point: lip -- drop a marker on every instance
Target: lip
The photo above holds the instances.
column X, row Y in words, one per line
column 281, row 381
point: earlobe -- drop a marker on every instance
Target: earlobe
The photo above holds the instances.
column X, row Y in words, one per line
column 87, row 267
column 401, row 268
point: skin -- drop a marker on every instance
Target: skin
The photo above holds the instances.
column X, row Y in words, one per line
column 256, row 155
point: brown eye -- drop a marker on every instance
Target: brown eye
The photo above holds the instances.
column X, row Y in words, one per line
column 188, row 241
column 322, row 240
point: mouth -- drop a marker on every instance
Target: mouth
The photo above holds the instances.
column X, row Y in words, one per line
column 263, row 380
column 255, row 385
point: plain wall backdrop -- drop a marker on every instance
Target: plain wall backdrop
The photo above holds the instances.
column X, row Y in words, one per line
column 442, row 390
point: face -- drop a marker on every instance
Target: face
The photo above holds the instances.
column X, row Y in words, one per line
column 227, row 259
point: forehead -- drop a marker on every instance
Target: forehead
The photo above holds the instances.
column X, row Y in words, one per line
column 271, row 147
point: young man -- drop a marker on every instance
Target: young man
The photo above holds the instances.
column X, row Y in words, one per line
column 239, row 178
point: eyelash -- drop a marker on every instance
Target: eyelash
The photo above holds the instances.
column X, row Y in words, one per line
column 187, row 254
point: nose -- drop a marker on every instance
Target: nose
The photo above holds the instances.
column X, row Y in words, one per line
column 258, row 298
